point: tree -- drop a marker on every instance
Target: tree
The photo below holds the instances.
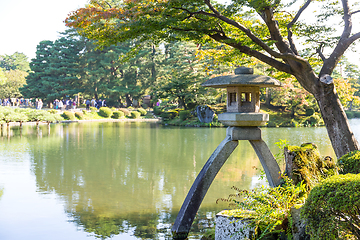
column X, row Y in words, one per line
column 16, row 61
column 181, row 74
column 14, row 80
column 266, row 30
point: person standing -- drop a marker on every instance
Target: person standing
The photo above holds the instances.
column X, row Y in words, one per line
column 87, row 104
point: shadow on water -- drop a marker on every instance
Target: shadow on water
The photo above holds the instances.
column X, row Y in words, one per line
column 116, row 178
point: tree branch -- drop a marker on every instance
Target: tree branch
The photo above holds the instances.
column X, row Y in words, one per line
column 343, row 44
column 319, row 51
column 352, row 13
column 253, row 53
column 290, row 24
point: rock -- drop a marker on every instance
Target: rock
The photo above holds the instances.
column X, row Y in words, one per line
column 204, row 113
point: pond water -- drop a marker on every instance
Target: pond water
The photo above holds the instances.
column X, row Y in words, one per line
column 120, row 180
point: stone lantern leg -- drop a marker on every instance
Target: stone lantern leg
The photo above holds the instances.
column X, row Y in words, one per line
column 243, row 118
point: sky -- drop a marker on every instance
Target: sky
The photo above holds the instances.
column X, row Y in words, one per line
column 24, row 23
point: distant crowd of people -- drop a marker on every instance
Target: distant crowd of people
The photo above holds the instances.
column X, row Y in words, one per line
column 95, row 103
column 64, row 104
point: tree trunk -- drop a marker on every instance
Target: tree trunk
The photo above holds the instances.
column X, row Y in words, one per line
column 336, row 122
column 128, row 100
column 268, row 97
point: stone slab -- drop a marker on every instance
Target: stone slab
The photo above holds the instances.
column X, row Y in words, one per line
column 231, row 228
column 243, row 119
column 244, row 133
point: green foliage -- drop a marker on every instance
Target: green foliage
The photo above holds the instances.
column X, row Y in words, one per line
column 309, row 111
column 52, row 111
column 135, row 114
column 169, row 115
column 67, row 115
column 93, row 109
column 185, row 114
column 125, row 111
column 105, row 112
column 268, row 208
column 332, row 208
column 313, row 120
column 118, row 114
column 349, row 163
column 142, row 111
column 157, row 110
column 79, row 115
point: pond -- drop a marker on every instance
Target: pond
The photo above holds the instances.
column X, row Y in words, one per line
column 120, row 180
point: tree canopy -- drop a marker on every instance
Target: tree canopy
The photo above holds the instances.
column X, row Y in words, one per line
column 267, row 30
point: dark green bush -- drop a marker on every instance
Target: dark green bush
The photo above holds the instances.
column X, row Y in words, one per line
column 309, row 111
column 142, row 111
column 350, row 163
column 332, row 209
column 125, row 111
column 349, row 114
column 144, row 105
column 169, row 115
column 68, row 115
column 313, row 120
column 93, row 109
column 157, row 110
column 79, row 115
column 135, row 114
column 105, row 112
column 185, row 114
column 118, row 114
column 356, row 114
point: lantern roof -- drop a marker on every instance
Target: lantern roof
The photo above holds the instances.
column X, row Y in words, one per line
column 243, row 77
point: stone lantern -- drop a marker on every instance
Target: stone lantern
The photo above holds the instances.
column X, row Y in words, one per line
column 243, row 97
column 243, row 118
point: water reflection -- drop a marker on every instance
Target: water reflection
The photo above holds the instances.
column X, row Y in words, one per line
column 117, row 178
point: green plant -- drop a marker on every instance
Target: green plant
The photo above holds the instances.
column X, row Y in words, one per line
column 349, row 114
column 52, row 111
column 79, row 115
column 67, row 115
column 105, row 112
column 312, row 120
column 268, row 208
column 118, row 114
column 185, row 114
column 135, row 114
column 125, row 111
column 169, row 115
column 142, row 111
column 84, row 112
column 93, row 109
column 309, row 111
column 332, row 209
column 349, row 163
column 157, row 110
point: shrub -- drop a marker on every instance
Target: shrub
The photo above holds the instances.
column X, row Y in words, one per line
column 118, row 114
column 68, row 115
column 105, row 112
column 332, row 208
column 142, row 111
column 79, row 115
column 185, row 114
column 356, row 114
column 125, row 111
column 349, row 114
column 135, row 114
column 157, row 110
column 169, row 115
column 144, row 105
column 350, row 163
column 52, row 111
column 84, row 111
column 309, row 111
column 93, row 109
column 313, row 120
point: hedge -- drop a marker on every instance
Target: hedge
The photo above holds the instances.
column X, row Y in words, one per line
column 105, row 112
column 135, row 114
column 350, row 163
column 118, row 114
column 332, row 209
column 68, row 115
column 142, row 111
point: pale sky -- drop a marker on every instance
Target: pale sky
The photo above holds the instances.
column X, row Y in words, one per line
column 24, row 23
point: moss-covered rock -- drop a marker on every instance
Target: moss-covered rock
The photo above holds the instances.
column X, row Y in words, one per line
column 305, row 164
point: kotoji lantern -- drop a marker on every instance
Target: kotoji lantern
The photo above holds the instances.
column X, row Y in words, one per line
column 243, row 117
column 243, row 97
